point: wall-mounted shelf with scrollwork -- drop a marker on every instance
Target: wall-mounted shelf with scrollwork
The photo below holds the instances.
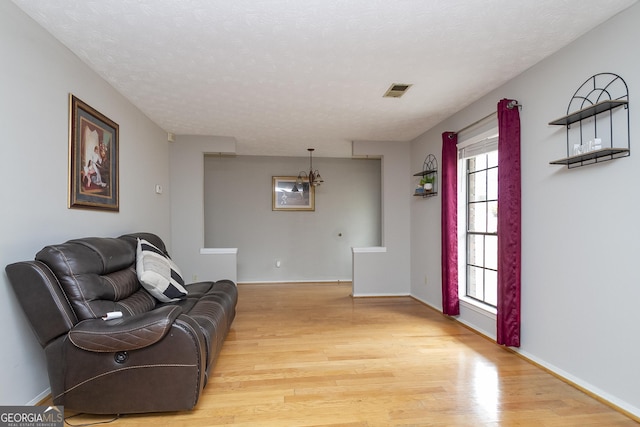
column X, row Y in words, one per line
column 428, row 185
column 603, row 128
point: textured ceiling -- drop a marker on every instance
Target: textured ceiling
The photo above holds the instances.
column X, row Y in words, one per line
column 284, row 75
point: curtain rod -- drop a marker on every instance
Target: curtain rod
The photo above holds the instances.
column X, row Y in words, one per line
column 510, row 105
column 488, row 116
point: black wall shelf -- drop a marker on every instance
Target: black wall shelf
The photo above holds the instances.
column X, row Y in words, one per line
column 587, row 112
column 430, row 173
column 590, row 156
column 593, row 108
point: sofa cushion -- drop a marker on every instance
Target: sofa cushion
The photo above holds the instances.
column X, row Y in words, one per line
column 158, row 273
column 95, row 272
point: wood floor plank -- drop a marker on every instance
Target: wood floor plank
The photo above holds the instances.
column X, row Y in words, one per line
column 311, row 355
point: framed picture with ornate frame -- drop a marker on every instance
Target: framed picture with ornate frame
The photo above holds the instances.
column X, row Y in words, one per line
column 288, row 195
column 93, row 158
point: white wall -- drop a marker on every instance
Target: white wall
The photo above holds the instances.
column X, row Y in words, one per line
column 310, row 245
column 37, row 76
column 580, row 231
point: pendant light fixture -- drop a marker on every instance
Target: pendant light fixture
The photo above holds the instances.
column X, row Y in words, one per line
column 313, row 176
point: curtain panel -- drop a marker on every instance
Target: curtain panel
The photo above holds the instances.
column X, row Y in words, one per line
column 449, row 232
column 509, row 227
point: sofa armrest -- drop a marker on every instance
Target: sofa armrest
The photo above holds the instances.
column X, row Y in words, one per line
column 125, row 334
column 42, row 299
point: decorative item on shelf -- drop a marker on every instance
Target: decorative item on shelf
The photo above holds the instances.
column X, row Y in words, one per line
column 591, row 145
column 313, row 177
column 602, row 131
column 428, row 185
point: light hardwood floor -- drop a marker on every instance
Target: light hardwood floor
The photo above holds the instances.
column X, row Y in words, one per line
column 311, row 355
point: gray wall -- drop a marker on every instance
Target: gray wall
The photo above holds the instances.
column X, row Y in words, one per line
column 386, row 270
column 238, row 213
column 580, row 229
column 38, row 74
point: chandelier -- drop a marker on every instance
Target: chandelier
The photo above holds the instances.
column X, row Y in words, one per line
column 313, row 176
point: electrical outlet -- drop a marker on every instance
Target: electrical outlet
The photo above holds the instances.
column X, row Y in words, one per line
column 194, row 278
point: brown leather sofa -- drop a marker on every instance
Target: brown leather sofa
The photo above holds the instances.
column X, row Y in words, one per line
column 156, row 357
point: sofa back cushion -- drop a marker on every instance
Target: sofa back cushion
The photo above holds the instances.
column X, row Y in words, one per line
column 97, row 275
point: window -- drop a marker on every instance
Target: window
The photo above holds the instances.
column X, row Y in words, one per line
column 478, row 218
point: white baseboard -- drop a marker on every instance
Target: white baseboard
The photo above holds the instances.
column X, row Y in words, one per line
column 271, row 282
column 590, row 389
column 377, row 295
column 39, row 398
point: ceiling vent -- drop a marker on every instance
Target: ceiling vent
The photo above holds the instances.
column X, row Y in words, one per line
column 396, row 90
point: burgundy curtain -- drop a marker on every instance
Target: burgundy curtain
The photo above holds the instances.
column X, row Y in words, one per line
column 508, row 321
column 449, row 191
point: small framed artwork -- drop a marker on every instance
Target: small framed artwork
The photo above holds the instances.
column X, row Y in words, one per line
column 93, row 158
column 288, row 195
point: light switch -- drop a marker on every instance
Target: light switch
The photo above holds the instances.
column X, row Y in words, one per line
column 158, row 189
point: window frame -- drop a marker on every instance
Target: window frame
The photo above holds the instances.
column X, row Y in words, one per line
column 485, row 232
column 481, row 143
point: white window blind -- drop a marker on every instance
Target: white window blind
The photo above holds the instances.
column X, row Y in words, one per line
column 479, row 144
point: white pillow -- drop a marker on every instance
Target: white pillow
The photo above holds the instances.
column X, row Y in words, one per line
column 158, row 273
